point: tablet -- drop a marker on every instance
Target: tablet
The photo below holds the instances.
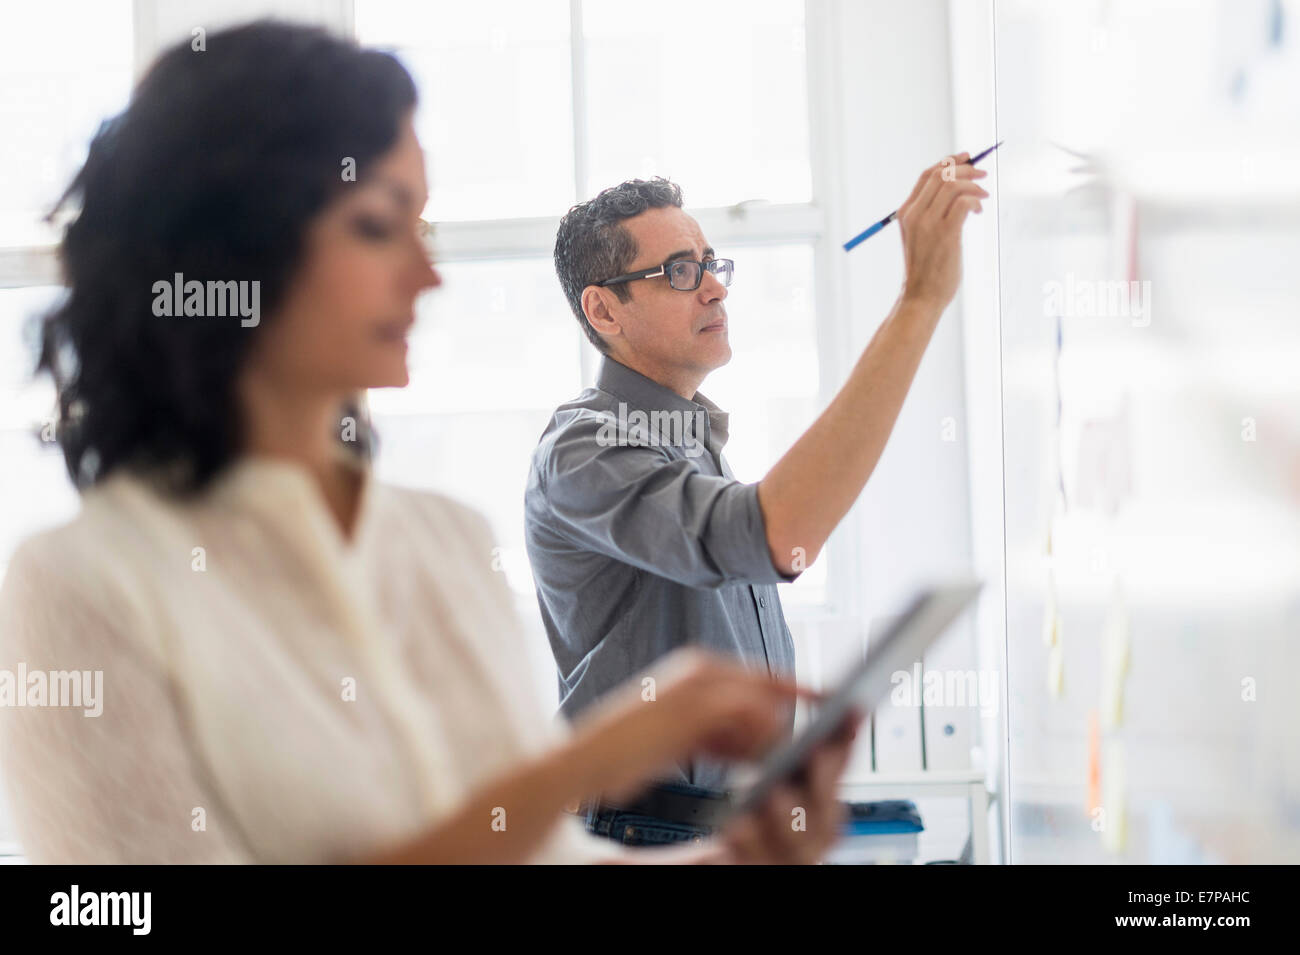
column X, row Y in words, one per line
column 901, row 645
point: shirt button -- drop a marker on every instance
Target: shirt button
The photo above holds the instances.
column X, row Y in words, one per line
column 762, row 601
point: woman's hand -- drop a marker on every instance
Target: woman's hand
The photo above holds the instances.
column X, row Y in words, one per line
column 795, row 825
column 687, row 704
column 694, row 703
column 798, row 821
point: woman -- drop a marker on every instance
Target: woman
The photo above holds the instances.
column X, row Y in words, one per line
column 299, row 665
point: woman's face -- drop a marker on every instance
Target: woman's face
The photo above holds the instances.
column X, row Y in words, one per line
column 344, row 321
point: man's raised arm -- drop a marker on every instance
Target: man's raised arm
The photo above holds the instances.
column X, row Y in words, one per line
column 812, row 487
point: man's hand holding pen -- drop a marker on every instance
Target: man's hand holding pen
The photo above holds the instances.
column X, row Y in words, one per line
column 931, row 220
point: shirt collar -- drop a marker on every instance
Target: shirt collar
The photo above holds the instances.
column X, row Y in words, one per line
column 645, row 394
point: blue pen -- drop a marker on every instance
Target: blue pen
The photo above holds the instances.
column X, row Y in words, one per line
column 872, row 230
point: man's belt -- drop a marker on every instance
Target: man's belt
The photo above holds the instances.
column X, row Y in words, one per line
column 681, row 808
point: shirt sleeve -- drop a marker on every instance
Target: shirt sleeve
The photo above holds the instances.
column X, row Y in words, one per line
column 119, row 787
column 641, row 505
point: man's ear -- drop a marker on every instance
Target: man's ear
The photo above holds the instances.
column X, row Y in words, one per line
column 596, row 305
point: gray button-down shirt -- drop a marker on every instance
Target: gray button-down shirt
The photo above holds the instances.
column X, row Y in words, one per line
column 641, row 540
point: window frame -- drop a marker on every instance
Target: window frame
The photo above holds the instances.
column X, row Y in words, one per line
column 817, row 223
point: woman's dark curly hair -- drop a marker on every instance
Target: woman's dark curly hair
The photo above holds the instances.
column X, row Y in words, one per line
column 214, row 171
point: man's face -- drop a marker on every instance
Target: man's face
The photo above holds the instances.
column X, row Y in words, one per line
column 663, row 328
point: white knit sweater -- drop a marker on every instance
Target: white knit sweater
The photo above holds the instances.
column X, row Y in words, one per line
column 229, row 632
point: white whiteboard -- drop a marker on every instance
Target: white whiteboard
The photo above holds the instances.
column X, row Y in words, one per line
column 1149, row 207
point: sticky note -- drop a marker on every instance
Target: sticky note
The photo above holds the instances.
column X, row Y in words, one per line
column 1114, row 833
column 1058, row 515
column 1051, row 617
column 1094, row 762
column 1114, row 661
column 1056, row 671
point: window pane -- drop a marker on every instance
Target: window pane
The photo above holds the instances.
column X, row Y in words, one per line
column 51, row 105
column 479, row 459
column 24, row 401
column 34, row 486
column 495, row 117
column 471, row 416
column 495, row 336
column 713, row 96
column 770, row 385
column 493, row 353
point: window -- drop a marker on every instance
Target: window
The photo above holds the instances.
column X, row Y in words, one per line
column 495, row 89
column 50, row 106
column 528, row 107
column 492, row 354
column 712, row 96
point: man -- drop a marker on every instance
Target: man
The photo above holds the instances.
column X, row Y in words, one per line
column 640, row 538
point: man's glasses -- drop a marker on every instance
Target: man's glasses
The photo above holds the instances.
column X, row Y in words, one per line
column 683, row 274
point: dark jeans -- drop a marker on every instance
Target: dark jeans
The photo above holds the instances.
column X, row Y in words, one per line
column 634, row 828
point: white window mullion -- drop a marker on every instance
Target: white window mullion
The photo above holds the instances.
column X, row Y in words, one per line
column 587, row 358
column 495, row 239
column 578, row 55
column 21, row 268
column 823, row 26
column 144, row 29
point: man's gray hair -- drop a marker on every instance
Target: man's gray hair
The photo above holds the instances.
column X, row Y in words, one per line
column 592, row 244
